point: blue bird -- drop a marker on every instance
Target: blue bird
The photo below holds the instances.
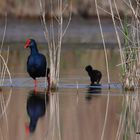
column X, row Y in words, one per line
column 36, row 63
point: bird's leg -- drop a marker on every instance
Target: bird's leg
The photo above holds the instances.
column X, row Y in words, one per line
column 35, row 86
column 48, row 80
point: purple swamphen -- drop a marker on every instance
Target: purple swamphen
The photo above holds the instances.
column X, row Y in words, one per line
column 95, row 75
column 36, row 63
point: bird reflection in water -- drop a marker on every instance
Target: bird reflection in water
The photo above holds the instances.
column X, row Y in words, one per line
column 36, row 108
column 93, row 89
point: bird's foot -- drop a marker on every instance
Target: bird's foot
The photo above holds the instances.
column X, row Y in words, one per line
column 35, row 91
column 48, row 92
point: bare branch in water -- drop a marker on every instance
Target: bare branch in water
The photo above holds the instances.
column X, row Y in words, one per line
column 4, row 32
column 54, row 37
column 102, row 35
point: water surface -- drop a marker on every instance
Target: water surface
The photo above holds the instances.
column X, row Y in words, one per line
column 82, row 109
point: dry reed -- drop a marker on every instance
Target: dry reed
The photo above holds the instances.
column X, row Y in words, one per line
column 4, row 99
column 129, row 67
column 54, row 31
column 54, row 37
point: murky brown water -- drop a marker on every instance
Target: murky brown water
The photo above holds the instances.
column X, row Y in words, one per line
column 82, row 114
column 81, row 118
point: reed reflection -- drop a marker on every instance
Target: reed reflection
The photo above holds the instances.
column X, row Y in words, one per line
column 36, row 108
column 5, row 100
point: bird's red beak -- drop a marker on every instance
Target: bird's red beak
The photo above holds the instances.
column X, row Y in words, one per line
column 26, row 46
column 27, row 43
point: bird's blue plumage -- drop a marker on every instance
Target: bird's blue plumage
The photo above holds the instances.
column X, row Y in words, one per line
column 36, row 63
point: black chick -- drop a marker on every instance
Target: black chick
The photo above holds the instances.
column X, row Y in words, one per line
column 95, row 75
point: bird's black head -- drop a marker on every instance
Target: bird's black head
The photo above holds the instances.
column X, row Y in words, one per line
column 88, row 68
column 29, row 43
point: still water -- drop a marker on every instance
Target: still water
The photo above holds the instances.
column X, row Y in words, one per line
column 74, row 59
column 75, row 111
